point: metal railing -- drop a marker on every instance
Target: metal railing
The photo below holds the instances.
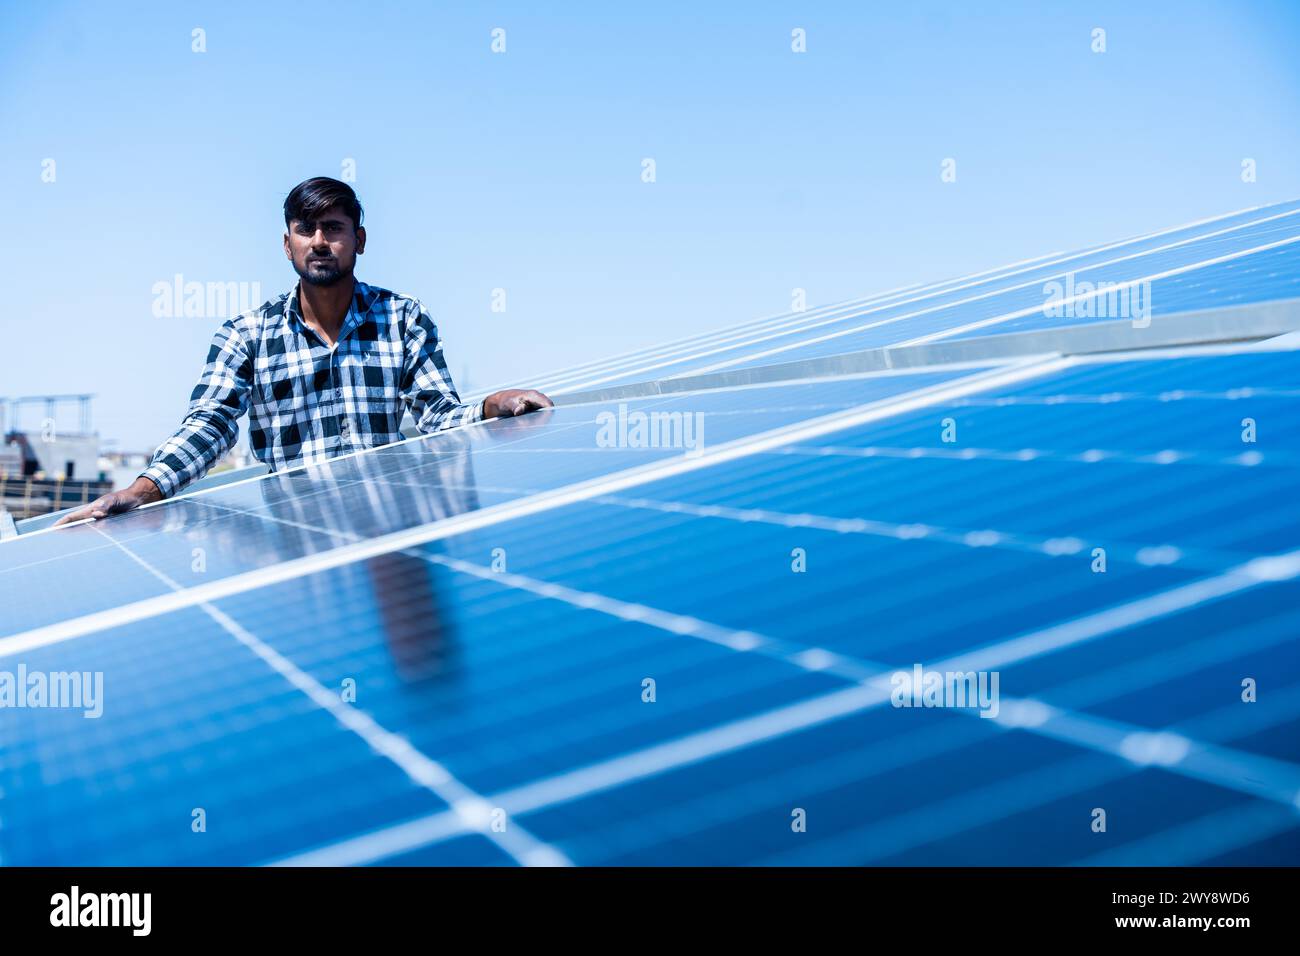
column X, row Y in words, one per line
column 211, row 481
column 23, row 496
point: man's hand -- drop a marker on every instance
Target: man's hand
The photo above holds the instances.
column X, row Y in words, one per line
column 514, row 401
column 139, row 492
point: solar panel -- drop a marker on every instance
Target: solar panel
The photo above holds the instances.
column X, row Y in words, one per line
column 798, row 325
column 669, row 628
column 1249, row 257
column 786, row 322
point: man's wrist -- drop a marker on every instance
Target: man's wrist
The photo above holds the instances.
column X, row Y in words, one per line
column 146, row 490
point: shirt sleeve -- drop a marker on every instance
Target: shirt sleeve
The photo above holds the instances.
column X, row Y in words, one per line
column 426, row 384
column 211, row 425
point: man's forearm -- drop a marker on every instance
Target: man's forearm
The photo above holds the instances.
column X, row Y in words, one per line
column 442, row 413
column 204, row 437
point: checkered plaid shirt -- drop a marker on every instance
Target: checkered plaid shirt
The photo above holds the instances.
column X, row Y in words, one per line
column 309, row 402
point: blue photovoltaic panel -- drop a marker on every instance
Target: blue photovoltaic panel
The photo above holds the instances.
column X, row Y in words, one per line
column 1254, row 276
column 795, row 329
column 524, row 679
column 557, row 380
column 643, row 652
column 372, row 494
column 1262, row 276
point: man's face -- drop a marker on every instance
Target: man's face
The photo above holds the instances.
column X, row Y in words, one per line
column 324, row 251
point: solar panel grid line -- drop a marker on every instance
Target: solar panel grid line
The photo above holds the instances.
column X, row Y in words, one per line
column 1093, row 456
column 1038, row 787
column 1209, row 836
column 629, row 768
column 1084, row 296
column 1251, row 774
column 882, row 605
column 1249, row 575
column 1090, row 689
column 63, row 782
column 1161, row 459
column 1181, row 395
column 1021, row 788
column 1278, row 781
column 875, row 759
column 1259, row 776
column 713, row 742
column 380, row 845
column 1052, row 639
column 932, row 742
column 396, row 541
column 564, row 379
column 1202, row 559
column 423, row 770
column 638, row 613
column 969, row 538
column 689, row 816
column 856, row 764
column 1037, row 282
column 893, row 838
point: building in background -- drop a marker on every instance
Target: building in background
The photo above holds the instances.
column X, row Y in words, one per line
column 48, row 464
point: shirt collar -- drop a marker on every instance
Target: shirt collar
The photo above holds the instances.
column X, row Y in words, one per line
column 363, row 297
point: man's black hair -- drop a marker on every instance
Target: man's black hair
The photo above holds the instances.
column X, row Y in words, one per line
column 310, row 198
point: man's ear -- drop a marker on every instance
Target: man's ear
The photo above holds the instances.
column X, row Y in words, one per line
column 287, row 251
column 361, row 240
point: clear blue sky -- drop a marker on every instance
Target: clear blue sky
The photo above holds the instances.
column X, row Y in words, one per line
column 522, row 170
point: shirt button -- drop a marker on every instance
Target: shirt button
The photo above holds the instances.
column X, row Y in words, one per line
column 343, row 426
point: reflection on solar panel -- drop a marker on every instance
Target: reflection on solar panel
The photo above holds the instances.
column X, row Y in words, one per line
column 943, row 576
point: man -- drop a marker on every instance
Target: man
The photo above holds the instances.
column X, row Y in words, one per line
column 326, row 369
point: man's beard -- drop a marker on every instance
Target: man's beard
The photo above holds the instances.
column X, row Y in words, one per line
column 323, row 276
